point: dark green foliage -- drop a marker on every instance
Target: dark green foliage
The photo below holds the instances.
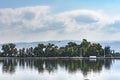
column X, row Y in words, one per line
column 117, row 54
column 0, row 53
column 107, row 51
column 94, row 50
column 22, row 52
column 85, row 49
column 9, row 49
column 38, row 50
column 51, row 50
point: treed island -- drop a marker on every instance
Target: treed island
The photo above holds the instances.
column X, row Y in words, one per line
column 84, row 49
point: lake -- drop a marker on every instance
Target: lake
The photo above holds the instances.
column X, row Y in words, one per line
column 59, row 69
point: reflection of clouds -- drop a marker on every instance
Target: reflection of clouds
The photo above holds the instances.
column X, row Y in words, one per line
column 104, row 75
column 29, row 74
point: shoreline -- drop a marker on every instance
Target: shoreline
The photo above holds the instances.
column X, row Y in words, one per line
column 59, row 58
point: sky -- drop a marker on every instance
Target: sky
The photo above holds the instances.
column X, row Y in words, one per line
column 44, row 20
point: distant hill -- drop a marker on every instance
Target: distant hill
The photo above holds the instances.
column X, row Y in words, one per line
column 113, row 44
column 33, row 44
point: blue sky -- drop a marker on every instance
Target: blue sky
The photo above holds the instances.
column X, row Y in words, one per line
column 29, row 20
column 62, row 5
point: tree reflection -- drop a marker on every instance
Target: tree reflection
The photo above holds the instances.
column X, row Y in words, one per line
column 9, row 65
column 41, row 65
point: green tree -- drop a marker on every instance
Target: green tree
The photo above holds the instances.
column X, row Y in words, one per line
column 30, row 52
column 107, row 51
column 71, row 49
column 38, row 50
column 0, row 53
column 94, row 50
column 61, row 51
column 84, row 46
column 9, row 49
column 85, row 49
column 22, row 53
column 51, row 50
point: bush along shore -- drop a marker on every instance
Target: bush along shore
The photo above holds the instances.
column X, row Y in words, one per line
column 84, row 49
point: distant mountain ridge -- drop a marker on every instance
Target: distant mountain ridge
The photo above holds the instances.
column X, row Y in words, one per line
column 113, row 44
column 58, row 43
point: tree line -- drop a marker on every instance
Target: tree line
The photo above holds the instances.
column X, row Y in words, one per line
column 84, row 49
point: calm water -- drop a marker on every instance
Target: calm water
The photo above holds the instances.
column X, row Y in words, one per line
column 37, row 69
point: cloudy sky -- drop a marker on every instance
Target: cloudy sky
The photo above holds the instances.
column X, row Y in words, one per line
column 43, row 20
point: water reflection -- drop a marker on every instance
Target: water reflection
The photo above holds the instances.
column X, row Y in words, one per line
column 41, row 65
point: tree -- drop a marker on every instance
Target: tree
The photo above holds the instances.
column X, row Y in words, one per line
column 107, row 51
column 22, row 53
column 29, row 52
column 84, row 46
column 72, row 44
column 38, row 50
column 94, row 50
column 0, row 53
column 61, row 51
column 51, row 50
column 71, row 49
column 9, row 49
column 85, row 49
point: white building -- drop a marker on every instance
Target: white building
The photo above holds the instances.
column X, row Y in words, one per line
column 92, row 56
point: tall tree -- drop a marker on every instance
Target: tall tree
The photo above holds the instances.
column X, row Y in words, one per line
column 94, row 50
column 51, row 50
column 9, row 49
column 84, row 46
column 39, row 50
column 107, row 51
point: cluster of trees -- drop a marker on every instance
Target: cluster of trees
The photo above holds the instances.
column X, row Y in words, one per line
column 85, row 49
column 117, row 54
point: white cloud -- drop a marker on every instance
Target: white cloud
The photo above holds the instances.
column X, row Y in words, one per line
column 80, row 19
column 40, row 23
column 28, row 17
